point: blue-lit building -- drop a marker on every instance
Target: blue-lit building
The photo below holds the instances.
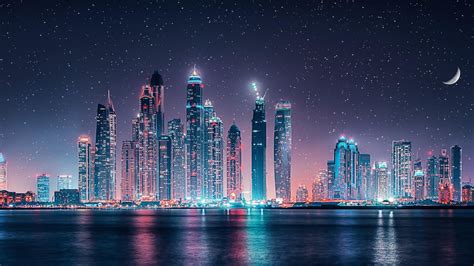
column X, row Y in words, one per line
column 43, row 188
column 178, row 167
column 67, row 197
column 456, row 172
column 432, row 178
column 85, row 167
column 346, row 170
column 234, row 163
column 259, row 147
column 194, row 137
column 367, row 184
column 282, row 150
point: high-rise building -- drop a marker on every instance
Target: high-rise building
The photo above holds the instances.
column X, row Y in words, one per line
column 234, row 163
column 366, row 190
column 214, row 185
column 346, row 170
column 467, row 193
column 64, row 182
column 42, row 188
column 456, row 171
column 129, row 171
column 208, row 114
column 112, row 163
column 3, row 173
column 402, row 169
column 302, row 193
column 419, row 181
column 259, row 147
column 178, row 168
column 445, row 188
column 164, row 179
column 158, row 90
column 85, row 167
column 146, row 135
column 330, row 177
column 194, row 137
column 432, row 178
column 104, row 157
column 382, row 180
column 320, row 186
column 282, row 150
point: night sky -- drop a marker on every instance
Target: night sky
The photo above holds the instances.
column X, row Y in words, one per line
column 371, row 70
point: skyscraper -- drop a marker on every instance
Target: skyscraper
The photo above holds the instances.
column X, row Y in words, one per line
column 214, row 186
column 129, row 171
column 301, row 193
column 259, row 146
column 419, row 184
column 178, row 168
column 3, row 173
column 112, row 163
column 445, row 188
column 85, row 167
column 164, row 178
column 209, row 113
column 402, row 169
column 42, row 188
column 456, row 172
column 234, row 163
column 367, row 183
column 158, row 90
column 104, row 183
column 64, row 182
column 346, row 170
column 330, row 177
column 382, row 180
column 194, row 137
column 320, row 186
column 145, row 133
column 282, row 150
column 432, row 178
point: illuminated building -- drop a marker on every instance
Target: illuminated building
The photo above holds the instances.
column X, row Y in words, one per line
column 382, row 180
column 432, row 178
column 8, row 198
column 445, row 188
column 320, row 186
column 259, row 147
column 42, row 188
column 282, row 150
column 346, row 170
column 178, row 168
column 366, row 183
column 158, row 90
column 330, row 177
column 214, row 185
column 419, row 184
column 208, row 114
column 144, row 133
column 234, row 163
column 456, row 172
column 105, row 152
column 402, row 186
column 164, row 178
column 467, row 193
column 3, row 173
column 64, row 182
column 67, row 197
column 85, row 167
column 194, row 137
column 301, row 193
column 129, row 171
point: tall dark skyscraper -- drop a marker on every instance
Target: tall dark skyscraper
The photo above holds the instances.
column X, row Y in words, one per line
column 234, row 163
column 178, row 168
column 282, row 150
column 445, row 188
column 259, row 147
column 432, row 178
column 145, row 131
column 194, row 137
column 366, row 190
column 164, row 178
column 129, row 171
column 158, row 90
column 104, row 185
column 85, row 162
column 456, row 172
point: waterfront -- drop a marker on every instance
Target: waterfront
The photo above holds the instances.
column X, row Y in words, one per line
column 236, row 236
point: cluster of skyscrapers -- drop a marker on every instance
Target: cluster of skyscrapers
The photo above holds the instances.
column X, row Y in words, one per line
column 183, row 161
column 352, row 176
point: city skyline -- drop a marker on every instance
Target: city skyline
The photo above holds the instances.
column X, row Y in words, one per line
column 57, row 109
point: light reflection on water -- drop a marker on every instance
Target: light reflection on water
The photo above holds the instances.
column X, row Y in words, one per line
column 237, row 236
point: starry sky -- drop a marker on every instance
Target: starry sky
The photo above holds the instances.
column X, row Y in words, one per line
column 371, row 70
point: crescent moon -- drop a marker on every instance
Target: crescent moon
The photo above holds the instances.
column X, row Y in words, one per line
column 454, row 79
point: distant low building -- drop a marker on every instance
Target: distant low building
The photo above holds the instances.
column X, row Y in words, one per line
column 467, row 193
column 9, row 197
column 67, row 197
column 302, row 194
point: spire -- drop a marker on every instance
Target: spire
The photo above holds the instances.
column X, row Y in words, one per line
column 194, row 78
column 156, row 79
column 110, row 104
